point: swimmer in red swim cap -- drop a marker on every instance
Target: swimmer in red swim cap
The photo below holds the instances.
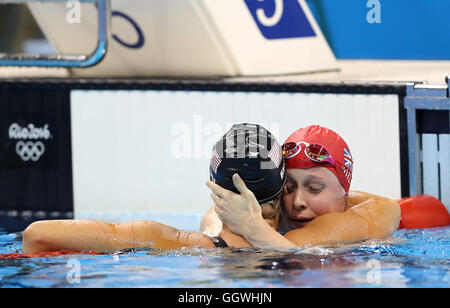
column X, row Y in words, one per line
column 320, row 167
column 317, row 204
column 317, row 146
column 316, row 210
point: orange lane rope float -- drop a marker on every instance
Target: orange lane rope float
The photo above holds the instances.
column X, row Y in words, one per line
column 422, row 211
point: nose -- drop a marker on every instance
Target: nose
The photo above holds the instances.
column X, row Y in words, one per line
column 299, row 201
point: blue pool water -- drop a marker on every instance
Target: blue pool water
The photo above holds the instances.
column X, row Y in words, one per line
column 411, row 258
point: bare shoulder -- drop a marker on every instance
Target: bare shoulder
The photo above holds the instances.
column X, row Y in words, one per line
column 356, row 197
column 381, row 213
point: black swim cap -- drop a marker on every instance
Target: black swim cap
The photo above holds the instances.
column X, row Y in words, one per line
column 252, row 152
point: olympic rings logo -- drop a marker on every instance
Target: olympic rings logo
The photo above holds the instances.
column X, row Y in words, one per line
column 30, row 150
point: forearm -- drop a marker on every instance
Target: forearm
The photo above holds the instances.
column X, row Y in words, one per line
column 159, row 236
column 89, row 235
column 369, row 217
column 78, row 235
column 325, row 230
column 329, row 229
column 264, row 235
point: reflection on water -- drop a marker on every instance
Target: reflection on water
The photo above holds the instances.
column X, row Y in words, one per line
column 417, row 258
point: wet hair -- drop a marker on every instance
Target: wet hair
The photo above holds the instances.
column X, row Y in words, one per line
column 271, row 211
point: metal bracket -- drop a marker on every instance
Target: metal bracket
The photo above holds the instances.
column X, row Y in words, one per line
column 421, row 97
column 69, row 60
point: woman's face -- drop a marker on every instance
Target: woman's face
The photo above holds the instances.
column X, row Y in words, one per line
column 310, row 193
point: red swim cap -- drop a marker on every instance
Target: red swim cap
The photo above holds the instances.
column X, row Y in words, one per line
column 336, row 147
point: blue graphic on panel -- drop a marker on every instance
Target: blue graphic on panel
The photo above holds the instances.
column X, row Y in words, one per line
column 141, row 40
column 280, row 19
column 396, row 29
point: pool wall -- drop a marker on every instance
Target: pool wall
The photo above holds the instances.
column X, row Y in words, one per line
column 149, row 151
column 141, row 147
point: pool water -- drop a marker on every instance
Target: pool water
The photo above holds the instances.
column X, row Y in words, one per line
column 411, row 258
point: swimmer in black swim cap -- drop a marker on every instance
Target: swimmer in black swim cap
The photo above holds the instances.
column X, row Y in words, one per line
column 253, row 153
column 244, row 146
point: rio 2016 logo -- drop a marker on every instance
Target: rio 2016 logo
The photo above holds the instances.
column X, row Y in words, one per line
column 30, row 146
column 280, row 19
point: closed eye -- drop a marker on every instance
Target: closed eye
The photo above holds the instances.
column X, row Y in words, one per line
column 315, row 188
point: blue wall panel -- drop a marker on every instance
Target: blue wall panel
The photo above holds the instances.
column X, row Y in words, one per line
column 408, row 29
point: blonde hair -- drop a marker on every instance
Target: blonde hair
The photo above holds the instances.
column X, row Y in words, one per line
column 271, row 212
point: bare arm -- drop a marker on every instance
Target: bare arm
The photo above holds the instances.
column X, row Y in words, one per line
column 90, row 235
column 211, row 224
column 381, row 214
column 369, row 216
column 261, row 234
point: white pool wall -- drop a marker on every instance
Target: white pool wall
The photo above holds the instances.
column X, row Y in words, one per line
column 141, row 152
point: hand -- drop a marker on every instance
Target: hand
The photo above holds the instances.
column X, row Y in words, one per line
column 239, row 212
column 211, row 224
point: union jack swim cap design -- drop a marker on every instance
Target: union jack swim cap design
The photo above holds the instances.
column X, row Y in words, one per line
column 336, row 147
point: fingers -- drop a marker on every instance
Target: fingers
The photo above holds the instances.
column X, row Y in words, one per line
column 220, row 213
column 221, row 206
column 240, row 185
column 222, row 192
column 219, row 191
column 217, row 200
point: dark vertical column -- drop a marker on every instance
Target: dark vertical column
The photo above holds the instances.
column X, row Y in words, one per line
column 404, row 151
column 35, row 153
